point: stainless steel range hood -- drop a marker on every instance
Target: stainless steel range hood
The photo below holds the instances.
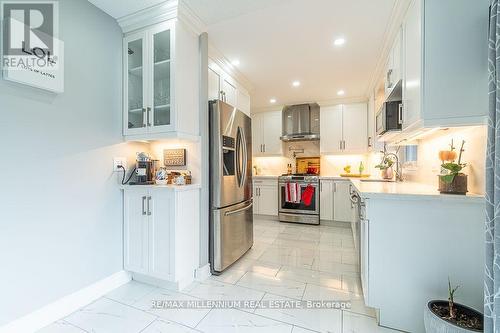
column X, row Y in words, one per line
column 300, row 122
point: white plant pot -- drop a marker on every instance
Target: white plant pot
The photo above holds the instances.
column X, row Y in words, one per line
column 435, row 324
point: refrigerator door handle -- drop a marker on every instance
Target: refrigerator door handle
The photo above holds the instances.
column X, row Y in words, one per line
column 241, row 157
column 236, row 211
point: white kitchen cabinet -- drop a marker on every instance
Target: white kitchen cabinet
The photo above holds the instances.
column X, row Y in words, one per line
column 214, row 89
column 161, row 233
column 326, row 200
column 344, row 129
column 393, row 68
column 364, row 257
column 413, row 66
column 355, row 128
column 343, row 209
column 331, row 129
column 225, row 88
column 265, row 197
column 266, row 132
column 229, row 92
column 157, row 102
column 445, row 64
column 136, row 231
column 243, row 101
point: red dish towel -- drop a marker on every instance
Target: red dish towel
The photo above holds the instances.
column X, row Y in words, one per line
column 308, row 195
column 292, row 193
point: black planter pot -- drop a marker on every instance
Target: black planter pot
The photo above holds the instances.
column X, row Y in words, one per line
column 436, row 324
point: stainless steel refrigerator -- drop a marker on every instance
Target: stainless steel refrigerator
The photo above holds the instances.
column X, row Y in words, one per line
column 231, row 215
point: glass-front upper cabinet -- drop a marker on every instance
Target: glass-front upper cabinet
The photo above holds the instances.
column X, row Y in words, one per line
column 134, row 84
column 161, row 78
column 148, row 81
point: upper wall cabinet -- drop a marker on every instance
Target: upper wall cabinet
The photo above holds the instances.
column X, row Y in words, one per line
column 161, row 82
column 393, row 71
column 344, row 129
column 266, row 131
column 223, row 87
column 445, row 64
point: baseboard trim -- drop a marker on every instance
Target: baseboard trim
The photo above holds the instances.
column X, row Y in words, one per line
column 66, row 305
column 202, row 273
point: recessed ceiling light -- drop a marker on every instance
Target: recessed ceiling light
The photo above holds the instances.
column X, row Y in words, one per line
column 296, row 83
column 341, row 93
column 272, row 100
column 235, row 62
column 339, row 41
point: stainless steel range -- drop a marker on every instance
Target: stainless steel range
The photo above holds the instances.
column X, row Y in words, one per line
column 299, row 212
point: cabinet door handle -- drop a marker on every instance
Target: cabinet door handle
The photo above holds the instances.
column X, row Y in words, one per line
column 143, row 117
column 340, row 144
column 264, row 147
column 334, row 187
column 320, row 186
column 369, row 141
column 400, row 114
column 149, row 116
column 143, row 206
column 149, row 211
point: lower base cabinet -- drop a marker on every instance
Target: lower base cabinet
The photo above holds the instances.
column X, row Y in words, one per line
column 161, row 233
column 265, row 197
column 343, row 209
column 326, row 200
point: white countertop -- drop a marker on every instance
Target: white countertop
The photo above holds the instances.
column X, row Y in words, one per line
column 176, row 188
column 391, row 190
column 408, row 189
column 264, row 177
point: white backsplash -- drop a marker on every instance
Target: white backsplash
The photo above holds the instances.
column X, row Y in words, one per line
column 428, row 165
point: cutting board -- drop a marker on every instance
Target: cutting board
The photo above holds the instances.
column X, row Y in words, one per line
column 354, row 175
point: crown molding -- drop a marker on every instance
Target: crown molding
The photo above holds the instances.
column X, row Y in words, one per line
column 189, row 17
column 395, row 21
column 162, row 12
column 159, row 13
column 221, row 61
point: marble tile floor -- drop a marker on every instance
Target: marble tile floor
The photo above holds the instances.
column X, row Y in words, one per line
column 288, row 263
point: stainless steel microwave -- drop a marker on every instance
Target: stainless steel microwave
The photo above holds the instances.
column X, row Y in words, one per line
column 390, row 117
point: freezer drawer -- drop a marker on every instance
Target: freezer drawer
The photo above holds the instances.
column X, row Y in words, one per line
column 232, row 234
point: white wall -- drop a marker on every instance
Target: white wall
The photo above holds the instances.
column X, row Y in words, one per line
column 428, row 165
column 60, row 206
column 193, row 160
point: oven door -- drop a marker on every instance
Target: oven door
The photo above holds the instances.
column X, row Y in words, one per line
column 299, row 208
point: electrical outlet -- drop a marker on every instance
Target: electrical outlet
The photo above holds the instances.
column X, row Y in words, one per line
column 119, row 161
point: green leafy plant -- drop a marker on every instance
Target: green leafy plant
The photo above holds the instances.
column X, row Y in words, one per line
column 451, row 300
column 385, row 164
column 453, row 168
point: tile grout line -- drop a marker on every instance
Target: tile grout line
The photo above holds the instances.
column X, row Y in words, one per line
column 71, row 324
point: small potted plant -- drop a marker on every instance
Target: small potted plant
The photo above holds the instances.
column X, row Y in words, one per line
column 385, row 167
column 449, row 317
column 451, row 179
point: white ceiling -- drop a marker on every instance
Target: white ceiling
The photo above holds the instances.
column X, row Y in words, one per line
column 279, row 41
column 120, row 8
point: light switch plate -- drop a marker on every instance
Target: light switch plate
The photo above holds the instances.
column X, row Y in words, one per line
column 119, row 161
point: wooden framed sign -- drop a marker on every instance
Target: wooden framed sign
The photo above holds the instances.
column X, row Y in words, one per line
column 174, row 157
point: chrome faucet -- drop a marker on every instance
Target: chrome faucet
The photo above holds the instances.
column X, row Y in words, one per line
column 399, row 168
